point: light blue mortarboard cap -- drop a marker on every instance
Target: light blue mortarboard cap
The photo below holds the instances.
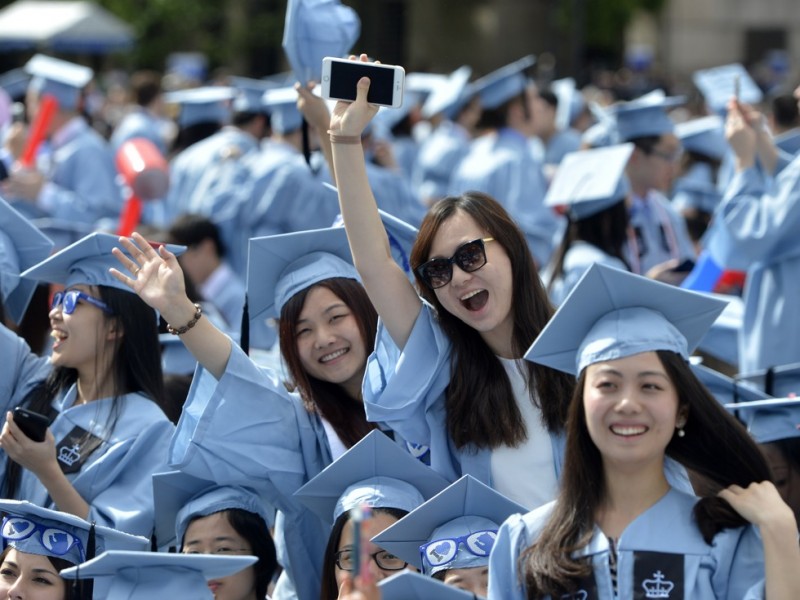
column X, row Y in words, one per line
column 179, row 498
column 770, row 420
column 87, row 261
column 505, row 83
column 718, row 86
column 377, row 473
column 704, row 136
column 58, row 529
column 725, row 389
column 281, row 103
column 645, row 116
column 22, row 245
column 467, row 506
column 570, row 101
column 209, row 104
column 249, row 93
column 61, row 79
column 315, row 29
column 780, row 381
column 611, row 314
column 150, row 575
column 449, row 94
column 408, row 585
column 590, row 181
column 388, row 117
column 279, row 266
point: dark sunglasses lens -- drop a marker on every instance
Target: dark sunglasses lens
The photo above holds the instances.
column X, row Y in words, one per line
column 470, row 257
column 437, row 272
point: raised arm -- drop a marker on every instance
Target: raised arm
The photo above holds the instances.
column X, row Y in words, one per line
column 157, row 278
column 388, row 288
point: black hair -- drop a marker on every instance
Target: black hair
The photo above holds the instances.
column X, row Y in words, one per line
column 254, row 530
column 191, row 229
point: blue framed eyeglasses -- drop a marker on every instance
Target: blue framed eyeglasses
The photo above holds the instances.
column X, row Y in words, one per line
column 55, row 541
column 440, row 552
column 69, row 300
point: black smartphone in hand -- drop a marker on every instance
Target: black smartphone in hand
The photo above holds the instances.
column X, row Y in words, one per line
column 31, row 423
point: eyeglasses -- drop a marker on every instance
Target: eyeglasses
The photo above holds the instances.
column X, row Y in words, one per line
column 469, row 257
column 671, row 157
column 346, row 560
column 443, row 551
column 56, row 541
column 70, row 298
column 222, row 551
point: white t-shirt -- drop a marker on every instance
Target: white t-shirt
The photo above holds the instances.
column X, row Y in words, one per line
column 526, row 474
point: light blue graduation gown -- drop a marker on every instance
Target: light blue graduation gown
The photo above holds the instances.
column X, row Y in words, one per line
column 438, row 157
column 560, row 144
column 115, row 478
column 696, row 189
column 661, row 550
column 660, row 233
column 140, row 124
column 206, row 167
column 580, row 256
column 503, row 166
column 789, row 141
column 755, row 229
column 406, row 391
column 246, row 426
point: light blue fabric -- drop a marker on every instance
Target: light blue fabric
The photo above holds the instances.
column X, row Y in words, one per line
column 202, row 168
column 437, row 159
column 140, row 124
column 696, row 189
column 115, row 479
column 503, row 166
column 731, row 567
column 580, row 256
column 661, row 233
column 789, row 141
column 755, row 230
column 562, row 143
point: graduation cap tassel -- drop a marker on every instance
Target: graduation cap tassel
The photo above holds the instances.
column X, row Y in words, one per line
column 153, row 542
column 87, row 587
column 306, row 142
column 244, row 337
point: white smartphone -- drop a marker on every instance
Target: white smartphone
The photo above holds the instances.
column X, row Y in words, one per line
column 340, row 78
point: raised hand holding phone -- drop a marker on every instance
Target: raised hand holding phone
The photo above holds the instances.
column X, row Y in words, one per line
column 340, row 79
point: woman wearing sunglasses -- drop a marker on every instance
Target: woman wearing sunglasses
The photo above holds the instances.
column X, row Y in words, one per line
column 447, row 370
column 100, row 389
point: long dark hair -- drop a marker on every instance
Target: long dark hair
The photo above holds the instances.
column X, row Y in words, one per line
column 481, row 410
column 135, row 367
column 330, row 400
column 255, row 531
column 330, row 590
column 715, row 445
column 606, row 230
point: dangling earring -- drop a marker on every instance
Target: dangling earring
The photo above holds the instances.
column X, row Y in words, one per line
column 681, row 432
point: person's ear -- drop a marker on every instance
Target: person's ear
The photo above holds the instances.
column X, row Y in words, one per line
column 114, row 330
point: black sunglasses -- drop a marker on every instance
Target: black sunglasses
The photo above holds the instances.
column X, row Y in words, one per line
column 469, row 257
